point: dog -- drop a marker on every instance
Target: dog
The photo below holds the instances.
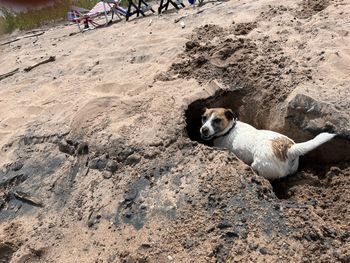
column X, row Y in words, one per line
column 270, row 154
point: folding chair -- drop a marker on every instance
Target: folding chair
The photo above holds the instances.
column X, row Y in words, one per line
column 116, row 8
column 81, row 15
column 141, row 8
column 165, row 6
column 76, row 15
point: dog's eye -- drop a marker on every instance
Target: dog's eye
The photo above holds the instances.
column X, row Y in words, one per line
column 204, row 118
column 217, row 120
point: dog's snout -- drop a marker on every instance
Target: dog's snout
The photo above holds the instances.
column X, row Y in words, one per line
column 205, row 130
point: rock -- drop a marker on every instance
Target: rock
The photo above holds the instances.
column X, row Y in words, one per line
column 263, row 250
column 98, row 163
column 112, row 166
column 224, row 224
column 133, row 159
column 64, row 147
column 333, row 172
column 72, row 142
column 191, row 45
column 131, row 195
column 146, row 246
column 307, row 117
column 90, row 222
column 83, row 148
column 151, row 154
column 231, row 234
column 112, row 258
column 123, row 155
column 157, row 143
column 16, row 166
column 2, row 203
column 106, row 174
column 128, row 214
column 253, row 246
column 189, row 243
column 93, row 220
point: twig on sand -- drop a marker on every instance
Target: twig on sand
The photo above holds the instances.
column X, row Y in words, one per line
column 34, row 35
column 26, row 198
column 8, row 74
column 19, row 38
column 180, row 18
column 50, row 59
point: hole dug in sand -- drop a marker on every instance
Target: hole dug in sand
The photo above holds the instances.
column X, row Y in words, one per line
column 256, row 80
column 317, row 171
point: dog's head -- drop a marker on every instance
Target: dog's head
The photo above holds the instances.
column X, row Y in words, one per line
column 216, row 122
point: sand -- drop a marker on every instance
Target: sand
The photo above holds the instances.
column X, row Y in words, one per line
column 100, row 155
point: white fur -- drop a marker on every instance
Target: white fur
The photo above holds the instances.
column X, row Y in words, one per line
column 254, row 147
column 208, row 125
column 303, row 148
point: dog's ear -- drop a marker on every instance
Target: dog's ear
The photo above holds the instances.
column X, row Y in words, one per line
column 229, row 114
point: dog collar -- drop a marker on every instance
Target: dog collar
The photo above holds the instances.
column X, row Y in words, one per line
column 229, row 130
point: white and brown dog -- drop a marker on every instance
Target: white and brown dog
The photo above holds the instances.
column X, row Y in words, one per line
column 271, row 154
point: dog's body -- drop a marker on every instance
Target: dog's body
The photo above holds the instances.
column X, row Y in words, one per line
column 271, row 154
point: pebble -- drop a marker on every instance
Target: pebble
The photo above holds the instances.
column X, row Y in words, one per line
column 263, row 250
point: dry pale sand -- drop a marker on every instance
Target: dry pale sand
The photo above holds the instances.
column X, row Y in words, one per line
column 144, row 192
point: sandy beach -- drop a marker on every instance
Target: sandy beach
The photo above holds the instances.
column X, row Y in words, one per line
column 101, row 159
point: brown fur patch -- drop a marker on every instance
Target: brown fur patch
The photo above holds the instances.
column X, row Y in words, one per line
column 280, row 147
column 219, row 113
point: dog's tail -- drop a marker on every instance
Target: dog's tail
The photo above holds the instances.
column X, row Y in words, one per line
column 299, row 149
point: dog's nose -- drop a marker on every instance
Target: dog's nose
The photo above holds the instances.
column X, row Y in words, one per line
column 205, row 130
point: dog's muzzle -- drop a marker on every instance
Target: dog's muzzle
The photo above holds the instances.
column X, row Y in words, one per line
column 205, row 133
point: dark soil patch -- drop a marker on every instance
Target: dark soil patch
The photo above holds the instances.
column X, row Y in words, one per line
column 207, row 33
column 273, row 11
column 309, row 8
column 243, row 28
column 6, row 252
